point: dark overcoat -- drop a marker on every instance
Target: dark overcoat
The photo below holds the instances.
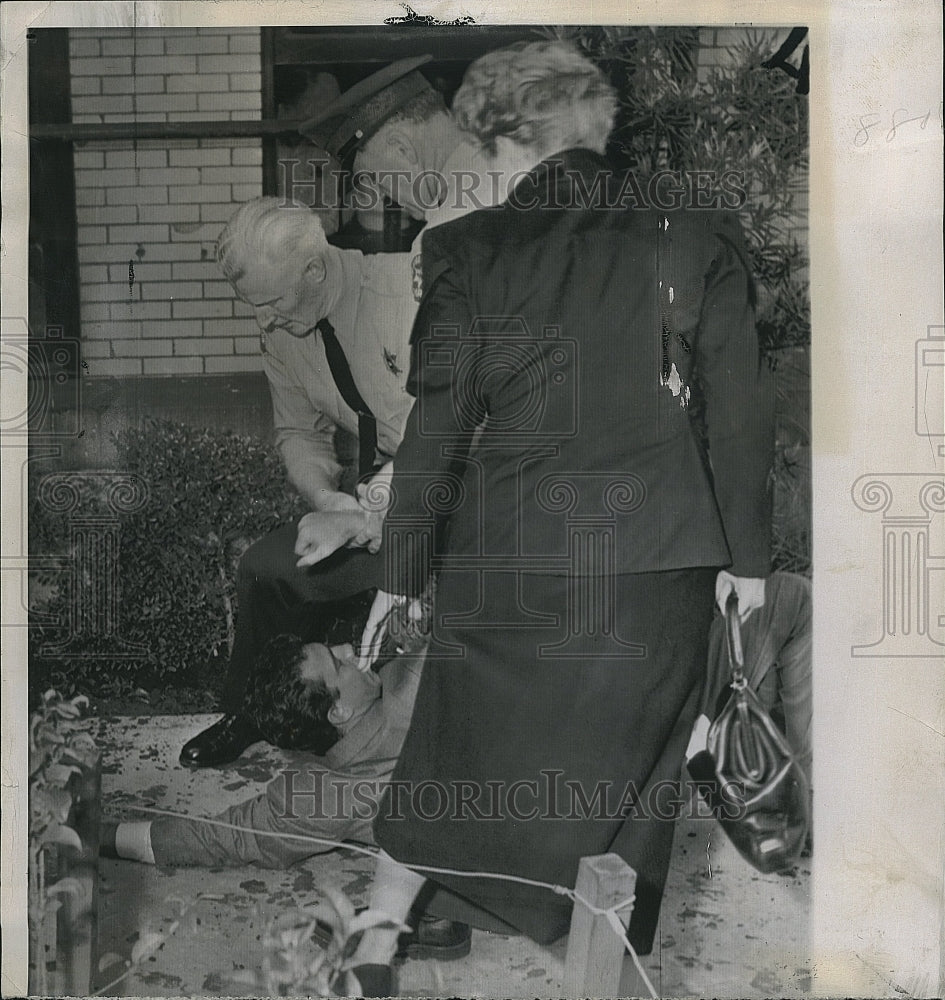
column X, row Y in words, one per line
column 552, row 475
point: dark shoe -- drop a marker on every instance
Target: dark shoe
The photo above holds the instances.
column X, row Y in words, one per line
column 376, row 980
column 222, row 742
column 431, row 937
column 435, row 937
column 106, row 840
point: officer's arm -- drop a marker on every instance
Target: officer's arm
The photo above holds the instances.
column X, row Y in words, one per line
column 305, row 438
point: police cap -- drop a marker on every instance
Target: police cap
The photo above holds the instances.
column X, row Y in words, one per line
column 351, row 119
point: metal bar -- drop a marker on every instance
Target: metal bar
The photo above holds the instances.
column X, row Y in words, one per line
column 270, row 145
column 371, row 45
column 125, row 131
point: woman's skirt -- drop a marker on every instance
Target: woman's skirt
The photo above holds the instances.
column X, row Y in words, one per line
column 540, row 736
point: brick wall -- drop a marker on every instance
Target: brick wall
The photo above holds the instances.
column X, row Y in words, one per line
column 715, row 44
column 160, row 204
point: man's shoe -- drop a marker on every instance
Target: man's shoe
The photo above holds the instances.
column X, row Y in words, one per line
column 223, row 742
column 432, row 937
column 435, row 937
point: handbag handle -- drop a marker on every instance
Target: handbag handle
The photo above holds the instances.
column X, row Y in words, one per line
column 751, row 748
column 733, row 636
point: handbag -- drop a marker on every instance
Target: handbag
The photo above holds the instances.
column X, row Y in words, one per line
column 749, row 775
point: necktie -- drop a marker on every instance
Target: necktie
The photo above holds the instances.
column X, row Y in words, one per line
column 344, row 380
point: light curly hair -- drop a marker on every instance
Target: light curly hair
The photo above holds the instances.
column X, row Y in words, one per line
column 268, row 229
column 543, row 95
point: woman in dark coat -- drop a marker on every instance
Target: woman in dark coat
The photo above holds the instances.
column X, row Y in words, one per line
column 578, row 538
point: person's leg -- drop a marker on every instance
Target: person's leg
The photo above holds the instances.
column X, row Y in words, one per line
column 394, row 890
column 271, row 829
column 274, row 596
column 794, row 672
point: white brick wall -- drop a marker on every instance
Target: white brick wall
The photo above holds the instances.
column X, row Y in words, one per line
column 161, row 203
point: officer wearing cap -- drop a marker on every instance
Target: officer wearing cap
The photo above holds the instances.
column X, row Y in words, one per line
column 335, row 327
column 395, row 126
column 397, row 107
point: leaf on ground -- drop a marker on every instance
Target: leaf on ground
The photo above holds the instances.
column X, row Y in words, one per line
column 340, row 908
column 61, row 834
column 59, row 774
column 145, row 944
column 109, row 958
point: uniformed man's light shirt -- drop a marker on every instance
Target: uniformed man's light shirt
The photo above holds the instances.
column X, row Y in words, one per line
column 372, row 325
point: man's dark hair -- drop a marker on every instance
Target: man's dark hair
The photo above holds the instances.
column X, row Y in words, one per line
column 288, row 711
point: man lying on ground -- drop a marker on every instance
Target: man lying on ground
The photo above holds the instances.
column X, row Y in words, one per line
column 312, row 699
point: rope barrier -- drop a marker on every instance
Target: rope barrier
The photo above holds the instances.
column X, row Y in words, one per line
column 611, row 912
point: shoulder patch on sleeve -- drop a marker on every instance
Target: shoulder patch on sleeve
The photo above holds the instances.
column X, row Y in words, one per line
column 416, row 276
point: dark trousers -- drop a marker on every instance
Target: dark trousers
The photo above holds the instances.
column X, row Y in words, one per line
column 274, row 596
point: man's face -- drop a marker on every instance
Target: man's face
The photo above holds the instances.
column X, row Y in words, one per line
column 337, row 668
column 393, row 162
column 294, row 293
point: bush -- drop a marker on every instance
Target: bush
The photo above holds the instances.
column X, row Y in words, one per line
column 210, row 495
column 791, row 518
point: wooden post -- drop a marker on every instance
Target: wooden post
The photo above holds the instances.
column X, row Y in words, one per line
column 78, row 918
column 594, row 960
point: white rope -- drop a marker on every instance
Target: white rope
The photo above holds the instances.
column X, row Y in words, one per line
column 619, row 929
column 610, row 912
